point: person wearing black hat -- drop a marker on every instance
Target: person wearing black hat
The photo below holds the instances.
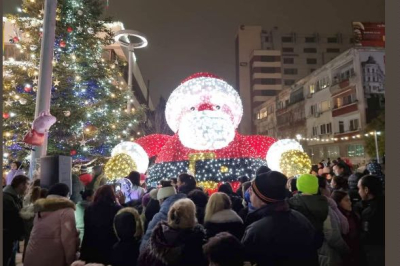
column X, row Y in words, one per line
column 279, row 235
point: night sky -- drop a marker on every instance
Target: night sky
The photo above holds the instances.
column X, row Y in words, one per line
column 188, row 36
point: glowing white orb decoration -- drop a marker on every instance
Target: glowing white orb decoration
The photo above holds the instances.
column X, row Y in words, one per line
column 135, row 151
column 277, row 149
column 201, row 94
column 206, row 130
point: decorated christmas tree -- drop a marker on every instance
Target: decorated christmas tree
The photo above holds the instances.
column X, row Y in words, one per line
column 88, row 96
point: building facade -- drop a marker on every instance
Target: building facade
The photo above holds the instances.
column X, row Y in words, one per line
column 270, row 61
column 329, row 110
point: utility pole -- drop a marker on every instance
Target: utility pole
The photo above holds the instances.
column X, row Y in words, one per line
column 43, row 94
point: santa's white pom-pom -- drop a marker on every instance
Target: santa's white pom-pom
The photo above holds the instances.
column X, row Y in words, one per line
column 136, row 152
column 277, row 149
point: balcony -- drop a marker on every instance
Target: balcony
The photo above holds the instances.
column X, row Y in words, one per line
column 344, row 109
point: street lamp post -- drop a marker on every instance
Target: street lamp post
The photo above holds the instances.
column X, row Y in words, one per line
column 376, row 145
column 131, row 47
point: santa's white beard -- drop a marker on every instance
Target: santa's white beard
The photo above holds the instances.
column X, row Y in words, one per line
column 206, row 130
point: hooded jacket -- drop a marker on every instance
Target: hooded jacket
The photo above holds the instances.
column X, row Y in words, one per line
column 225, row 221
column 313, row 207
column 54, row 238
column 174, row 247
column 126, row 251
column 162, row 215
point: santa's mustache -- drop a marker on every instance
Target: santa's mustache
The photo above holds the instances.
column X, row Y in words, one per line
column 206, row 130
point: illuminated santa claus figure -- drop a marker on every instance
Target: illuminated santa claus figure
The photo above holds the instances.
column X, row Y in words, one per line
column 204, row 112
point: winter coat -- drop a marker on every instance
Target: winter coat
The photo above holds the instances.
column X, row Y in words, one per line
column 136, row 193
column 13, row 173
column 54, row 239
column 352, row 240
column 237, row 205
column 334, row 247
column 224, row 221
column 174, row 247
column 313, row 207
column 13, row 225
column 79, row 217
column 153, row 207
column 126, row 251
column 77, row 187
column 162, row 215
column 280, row 236
column 373, row 230
column 27, row 213
column 99, row 237
column 342, row 220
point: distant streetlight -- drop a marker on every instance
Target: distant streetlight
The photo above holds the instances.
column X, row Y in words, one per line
column 298, row 137
column 131, row 47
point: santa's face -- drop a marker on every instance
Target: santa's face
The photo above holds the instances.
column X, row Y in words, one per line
column 206, row 130
column 204, row 112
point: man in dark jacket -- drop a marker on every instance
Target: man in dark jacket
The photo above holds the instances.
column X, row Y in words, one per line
column 13, row 225
column 166, row 196
column 372, row 212
column 314, row 207
column 280, row 236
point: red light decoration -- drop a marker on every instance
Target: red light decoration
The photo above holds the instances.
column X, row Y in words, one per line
column 153, row 144
column 69, row 29
column 73, row 152
column 201, row 75
column 6, row 115
column 28, row 88
column 63, row 44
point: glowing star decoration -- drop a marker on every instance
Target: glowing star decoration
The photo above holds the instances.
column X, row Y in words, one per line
column 135, row 151
column 294, row 162
column 277, row 149
column 119, row 166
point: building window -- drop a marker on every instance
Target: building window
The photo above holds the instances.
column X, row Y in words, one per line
column 341, row 127
column 269, row 81
column 288, row 60
column 354, row 125
column 355, row 150
column 289, row 82
column 333, row 50
column 266, row 58
column 323, row 129
column 262, row 113
column 312, row 88
column 310, row 39
column 324, row 106
column 332, row 40
column 312, row 70
column 321, row 152
column 329, row 128
column 315, row 131
column 266, row 38
column 311, row 61
column 290, row 71
column 333, row 152
column 313, row 109
column 288, row 50
column 287, row 39
column 310, row 50
column 270, row 70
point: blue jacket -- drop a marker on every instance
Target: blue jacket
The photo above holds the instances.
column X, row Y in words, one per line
column 162, row 215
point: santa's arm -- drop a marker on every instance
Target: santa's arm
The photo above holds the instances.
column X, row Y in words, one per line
column 152, row 144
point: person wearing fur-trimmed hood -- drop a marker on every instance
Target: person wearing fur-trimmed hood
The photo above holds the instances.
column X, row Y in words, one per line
column 54, row 239
column 220, row 217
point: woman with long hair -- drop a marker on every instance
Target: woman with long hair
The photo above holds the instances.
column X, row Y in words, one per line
column 99, row 236
column 220, row 217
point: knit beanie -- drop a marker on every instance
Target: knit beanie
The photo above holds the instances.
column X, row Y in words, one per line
column 270, row 186
column 308, row 184
column 165, row 192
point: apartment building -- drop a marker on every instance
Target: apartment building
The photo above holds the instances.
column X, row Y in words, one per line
column 270, row 61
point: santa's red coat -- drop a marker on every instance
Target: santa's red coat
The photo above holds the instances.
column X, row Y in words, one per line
column 170, row 148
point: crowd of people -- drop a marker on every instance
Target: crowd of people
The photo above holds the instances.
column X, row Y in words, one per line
column 330, row 216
